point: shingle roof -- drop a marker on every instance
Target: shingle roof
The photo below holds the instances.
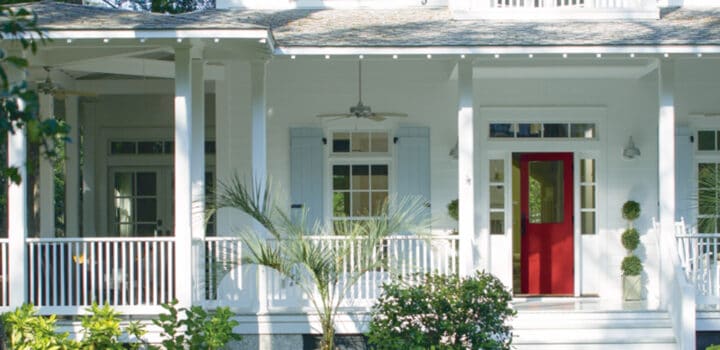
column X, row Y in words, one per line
column 412, row 27
column 436, row 27
column 64, row 16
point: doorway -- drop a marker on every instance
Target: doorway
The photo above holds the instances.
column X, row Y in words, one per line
column 543, row 246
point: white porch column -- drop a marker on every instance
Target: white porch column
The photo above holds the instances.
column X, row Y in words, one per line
column 466, row 178
column 17, row 214
column 47, row 185
column 72, row 169
column 183, row 184
column 198, row 176
column 88, row 173
column 259, row 156
column 666, row 164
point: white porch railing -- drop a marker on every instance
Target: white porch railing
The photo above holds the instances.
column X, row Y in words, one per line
column 698, row 254
column 66, row 275
column 4, row 280
column 407, row 256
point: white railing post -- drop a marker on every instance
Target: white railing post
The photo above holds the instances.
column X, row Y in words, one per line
column 183, row 166
column 466, row 171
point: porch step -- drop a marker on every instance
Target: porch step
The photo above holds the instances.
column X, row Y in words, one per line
column 587, row 330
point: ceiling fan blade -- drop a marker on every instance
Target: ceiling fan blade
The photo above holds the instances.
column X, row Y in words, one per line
column 378, row 117
column 391, row 114
column 335, row 115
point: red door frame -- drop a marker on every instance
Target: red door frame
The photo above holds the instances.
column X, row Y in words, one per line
column 547, row 249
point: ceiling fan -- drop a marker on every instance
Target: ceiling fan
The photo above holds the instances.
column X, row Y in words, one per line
column 361, row 110
column 48, row 87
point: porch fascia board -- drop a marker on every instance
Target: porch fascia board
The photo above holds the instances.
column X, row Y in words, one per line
column 140, row 67
column 160, row 34
column 500, row 50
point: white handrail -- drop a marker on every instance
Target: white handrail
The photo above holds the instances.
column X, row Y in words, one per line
column 679, row 293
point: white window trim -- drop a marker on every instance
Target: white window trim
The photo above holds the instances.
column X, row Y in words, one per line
column 353, row 125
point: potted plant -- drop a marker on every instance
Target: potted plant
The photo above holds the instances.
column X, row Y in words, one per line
column 631, row 265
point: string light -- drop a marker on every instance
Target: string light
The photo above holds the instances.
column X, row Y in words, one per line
column 462, row 57
column 327, row 57
column 497, row 55
column 429, row 56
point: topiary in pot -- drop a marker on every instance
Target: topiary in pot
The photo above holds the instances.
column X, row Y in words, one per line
column 631, row 210
column 632, row 283
column 630, row 239
column 631, row 266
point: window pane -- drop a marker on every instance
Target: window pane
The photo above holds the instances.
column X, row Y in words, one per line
column 169, row 147
column 546, row 197
column 497, row 170
column 125, row 230
column 379, row 177
column 379, row 142
column 555, row 130
column 360, row 177
column 378, row 200
column 587, row 170
column 341, row 204
column 341, row 142
column 360, row 204
column 146, row 184
column 706, row 140
column 587, row 223
column 529, row 130
column 146, row 229
column 587, row 197
column 341, row 177
column 360, row 142
column 122, row 147
column 706, row 202
column 209, row 147
column 147, row 210
column 497, row 197
column 585, row 131
column 707, row 176
column 123, row 184
column 501, row 130
column 150, row 147
column 497, row 223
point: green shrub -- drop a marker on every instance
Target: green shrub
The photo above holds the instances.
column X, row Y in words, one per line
column 713, row 347
column 24, row 329
column 630, row 239
column 631, row 210
column 101, row 329
column 452, row 208
column 443, row 312
column 203, row 330
column 631, row 266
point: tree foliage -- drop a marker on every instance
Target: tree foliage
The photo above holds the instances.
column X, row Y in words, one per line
column 20, row 36
column 160, row 6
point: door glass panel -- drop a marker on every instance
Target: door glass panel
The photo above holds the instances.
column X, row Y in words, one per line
column 147, row 210
column 341, row 177
column 587, row 170
column 497, row 197
column 497, row 223
column 147, row 183
column 123, row 184
column 587, row 223
column 587, row 197
column 545, row 197
column 379, row 177
column 360, row 204
column 378, row 200
column 341, row 204
column 497, row 173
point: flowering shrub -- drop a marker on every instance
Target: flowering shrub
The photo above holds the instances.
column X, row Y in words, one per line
column 443, row 312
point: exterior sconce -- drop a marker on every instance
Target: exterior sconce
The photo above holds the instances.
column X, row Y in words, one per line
column 630, row 151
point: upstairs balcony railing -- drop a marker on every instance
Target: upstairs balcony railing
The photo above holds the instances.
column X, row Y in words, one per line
column 560, row 9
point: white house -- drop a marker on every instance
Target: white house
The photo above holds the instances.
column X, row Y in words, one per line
column 542, row 117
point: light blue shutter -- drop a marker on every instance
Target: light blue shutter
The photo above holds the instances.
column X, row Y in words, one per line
column 306, row 173
column 413, row 163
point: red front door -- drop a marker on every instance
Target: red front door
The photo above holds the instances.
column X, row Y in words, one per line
column 546, row 192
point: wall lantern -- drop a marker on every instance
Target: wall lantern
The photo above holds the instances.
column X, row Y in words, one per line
column 630, row 151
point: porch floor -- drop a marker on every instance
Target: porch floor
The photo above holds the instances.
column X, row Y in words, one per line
column 588, row 304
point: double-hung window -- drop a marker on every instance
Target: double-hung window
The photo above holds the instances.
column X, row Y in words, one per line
column 360, row 170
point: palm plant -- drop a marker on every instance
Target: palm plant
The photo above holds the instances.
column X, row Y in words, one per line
column 291, row 246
